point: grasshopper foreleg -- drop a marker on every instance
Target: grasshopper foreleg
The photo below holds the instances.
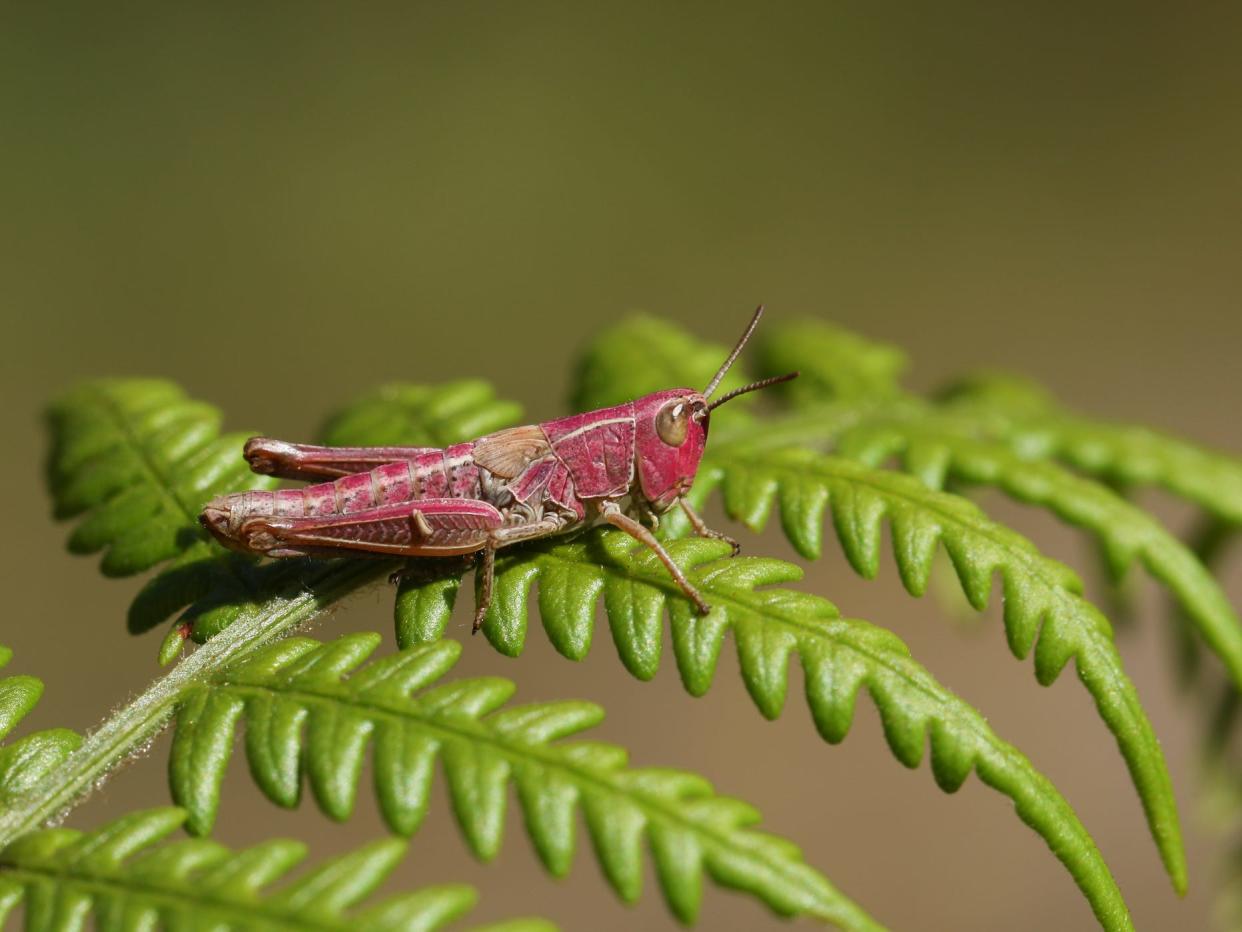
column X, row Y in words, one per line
column 619, row 519
column 701, row 528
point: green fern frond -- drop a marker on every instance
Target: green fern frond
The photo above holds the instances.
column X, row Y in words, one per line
column 119, row 875
column 645, row 354
column 1044, row 610
column 839, row 657
column 938, row 448
column 1037, row 427
column 311, row 710
column 26, row 761
column 962, row 440
column 832, row 362
column 1127, row 534
column 141, row 458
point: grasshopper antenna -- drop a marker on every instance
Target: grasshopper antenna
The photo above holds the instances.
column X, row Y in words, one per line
column 753, row 387
column 720, row 373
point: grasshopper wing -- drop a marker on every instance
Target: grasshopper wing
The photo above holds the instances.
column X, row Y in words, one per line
column 304, row 461
column 507, row 452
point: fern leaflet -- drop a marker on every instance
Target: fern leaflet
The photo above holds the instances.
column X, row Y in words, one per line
column 120, row 875
column 311, row 709
column 1210, row 540
column 139, row 458
column 26, row 761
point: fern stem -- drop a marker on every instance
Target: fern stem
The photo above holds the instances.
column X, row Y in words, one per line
column 143, row 718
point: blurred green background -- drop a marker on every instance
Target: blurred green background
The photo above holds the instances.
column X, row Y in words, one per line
column 281, row 206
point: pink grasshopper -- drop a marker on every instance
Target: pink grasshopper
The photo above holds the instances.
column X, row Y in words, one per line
column 623, row 465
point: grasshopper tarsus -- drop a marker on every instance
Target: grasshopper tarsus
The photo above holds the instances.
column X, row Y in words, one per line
column 631, row 461
column 702, row 530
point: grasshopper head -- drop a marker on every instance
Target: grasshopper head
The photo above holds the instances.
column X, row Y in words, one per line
column 670, row 434
column 671, row 430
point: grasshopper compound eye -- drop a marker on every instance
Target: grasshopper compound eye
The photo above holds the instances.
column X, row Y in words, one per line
column 672, row 423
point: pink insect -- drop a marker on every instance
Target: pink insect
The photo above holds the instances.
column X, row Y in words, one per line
column 624, row 465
